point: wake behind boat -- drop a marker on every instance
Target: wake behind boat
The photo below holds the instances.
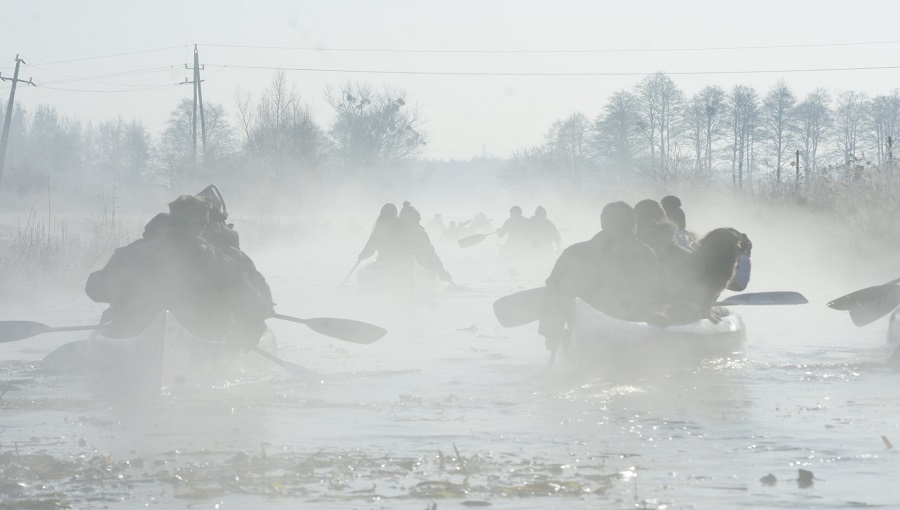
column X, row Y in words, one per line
column 599, row 340
column 164, row 356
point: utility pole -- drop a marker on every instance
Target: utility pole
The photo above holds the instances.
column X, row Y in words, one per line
column 198, row 99
column 4, row 138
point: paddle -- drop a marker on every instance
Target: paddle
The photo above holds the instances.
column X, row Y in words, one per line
column 523, row 307
column 341, row 329
column 869, row 304
column 764, row 298
column 861, row 297
column 519, row 308
column 473, row 239
column 10, row 331
column 351, row 271
column 294, row 369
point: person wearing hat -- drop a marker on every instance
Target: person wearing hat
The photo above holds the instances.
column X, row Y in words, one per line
column 212, row 292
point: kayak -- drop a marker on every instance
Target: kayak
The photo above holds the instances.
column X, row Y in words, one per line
column 164, row 356
column 598, row 336
column 894, row 328
column 405, row 278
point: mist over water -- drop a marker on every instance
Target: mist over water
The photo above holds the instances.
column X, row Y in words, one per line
column 450, row 407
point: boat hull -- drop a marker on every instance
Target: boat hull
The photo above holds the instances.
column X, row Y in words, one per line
column 405, row 278
column 165, row 355
column 601, row 340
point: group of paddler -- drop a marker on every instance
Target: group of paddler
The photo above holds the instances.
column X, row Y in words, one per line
column 643, row 266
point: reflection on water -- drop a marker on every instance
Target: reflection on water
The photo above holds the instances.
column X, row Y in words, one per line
column 451, row 409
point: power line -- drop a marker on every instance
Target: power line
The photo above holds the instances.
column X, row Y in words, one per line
column 106, row 75
column 589, row 51
column 159, row 87
column 111, row 55
column 537, row 74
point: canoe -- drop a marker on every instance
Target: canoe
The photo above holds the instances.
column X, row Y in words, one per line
column 405, row 278
column 894, row 329
column 600, row 338
column 163, row 356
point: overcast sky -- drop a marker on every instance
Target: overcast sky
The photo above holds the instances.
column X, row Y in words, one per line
column 467, row 111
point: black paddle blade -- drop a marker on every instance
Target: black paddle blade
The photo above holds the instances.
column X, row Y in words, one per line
column 765, row 298
column 519, row 308
column 471, row 240
column 860, row 297
column 10, row 331
column 874, row 305
column 346, row 329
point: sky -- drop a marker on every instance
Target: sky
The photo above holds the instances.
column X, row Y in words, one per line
column 489, row 77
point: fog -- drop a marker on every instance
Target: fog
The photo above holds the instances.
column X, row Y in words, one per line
column 315, row 117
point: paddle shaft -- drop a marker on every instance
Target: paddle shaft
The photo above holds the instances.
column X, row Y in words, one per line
column 294, row 369
column 351, row 272
column 73, row 328
column 288, row 318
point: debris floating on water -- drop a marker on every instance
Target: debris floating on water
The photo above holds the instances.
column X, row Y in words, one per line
column 769, row 480
column 887, row 442
column 805, row 478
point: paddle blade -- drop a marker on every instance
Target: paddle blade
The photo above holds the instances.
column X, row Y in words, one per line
column 765, row 298
column 471, row 240
column 10, row 331
column 294, row 369
column 346, row 329
column 876, row 305
column 519, row 308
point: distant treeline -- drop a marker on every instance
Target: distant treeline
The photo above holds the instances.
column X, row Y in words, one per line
column 269, row 142
column 652, row 133
column 749, row 141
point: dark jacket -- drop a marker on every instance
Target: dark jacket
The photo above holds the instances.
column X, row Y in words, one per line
column 616, row 274
column 216, row 293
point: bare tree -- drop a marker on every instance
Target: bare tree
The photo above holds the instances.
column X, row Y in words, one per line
column 849, row 118
column 744, row 112
column 372, row 130
column 706, row 114
column 279, row 129
column 173, row 154
column 813, row 123
column 885, row 124
column 663, row 105
column 778, row 122
column 617, row 133
column 567, row 145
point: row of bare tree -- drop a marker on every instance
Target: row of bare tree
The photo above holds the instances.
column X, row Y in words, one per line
column 656, row 132
column 272, row 139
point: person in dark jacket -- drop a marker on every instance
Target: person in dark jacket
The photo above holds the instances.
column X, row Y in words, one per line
column 672, row 206
column 694, row 287
column 613, row 272
column 216, row 293
column 688, row 240
column 657, row 232
column 383, row 233
column 413, row 241
column 545, row 236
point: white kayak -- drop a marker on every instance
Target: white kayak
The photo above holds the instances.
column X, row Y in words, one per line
column 163, row 356
column 894, row 329
column 405, row 278
column 600, row 337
